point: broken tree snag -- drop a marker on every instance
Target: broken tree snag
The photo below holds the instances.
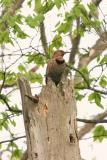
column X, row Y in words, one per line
column 50, row 124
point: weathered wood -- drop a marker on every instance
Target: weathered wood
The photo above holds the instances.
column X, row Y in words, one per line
column 51, row 124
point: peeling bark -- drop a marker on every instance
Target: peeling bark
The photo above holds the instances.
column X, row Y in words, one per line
column 50, row 125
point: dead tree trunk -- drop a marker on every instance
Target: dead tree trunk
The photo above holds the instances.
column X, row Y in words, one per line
column 50, row 124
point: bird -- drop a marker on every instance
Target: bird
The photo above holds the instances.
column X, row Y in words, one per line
column 55, row 67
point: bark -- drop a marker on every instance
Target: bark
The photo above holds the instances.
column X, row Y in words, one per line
column 13, row 8
column 44, row 39
column 50, row 124
column 76, row 41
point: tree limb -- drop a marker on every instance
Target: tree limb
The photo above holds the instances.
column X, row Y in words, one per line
column 96, row 2
column 13, row 8
column 8, row 106
column 4, row 78
column 75, row 43
column 76, row 40
column 91, row 120
column 44, row 38
column 97, row 49
column 88, row 127
column 11, row 140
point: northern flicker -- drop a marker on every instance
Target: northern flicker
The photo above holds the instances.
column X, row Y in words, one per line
column 55, row 67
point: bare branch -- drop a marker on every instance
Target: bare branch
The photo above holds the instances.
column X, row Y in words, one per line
column 91, row 121
column 11, row 140
column 87, row 86
column 76, row 40
column 103, row 135
column 44, row 38
column 88, row 127
column 97, row 49
column 9, row 85
column 75, row 43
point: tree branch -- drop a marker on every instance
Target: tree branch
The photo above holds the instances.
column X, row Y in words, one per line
column 8, row 106
column 75, row 41
column 96, row 50
column 96, row 2
column 87, row 86
column 4, row 78
column 92, row 89
column 44, row 38
column 11, row 140
column 88, row 127
column 13, row 8
column 91, row 121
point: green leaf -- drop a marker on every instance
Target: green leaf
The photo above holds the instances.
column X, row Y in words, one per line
column 103, row 81
column 12, row 145
column 79, row 96
column 99, row 133
column 37, row 58
column 79, row 31
column 92, row 8
column 21, row 68
column 4, row 37
column 15, row 19
column 84, row 71
column 95, row 97
column 34, row 77
column 38, row 5
column 47, row 7
column 11, row 77
column 20, row 34
column 17, row 154
column 5, row 125
column 35, row 20
column 58, row 3
column 15, row 108
column 1, row 123
column 64, row 27
column 57, row 42
column 104, row 60
column 80, row 11
column 29, row 3
column 13, row 122
column 3, row 98
column 1, row 75
column 7, row 3
column 31, row 22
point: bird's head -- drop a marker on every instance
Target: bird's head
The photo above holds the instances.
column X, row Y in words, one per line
column 58, row 53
